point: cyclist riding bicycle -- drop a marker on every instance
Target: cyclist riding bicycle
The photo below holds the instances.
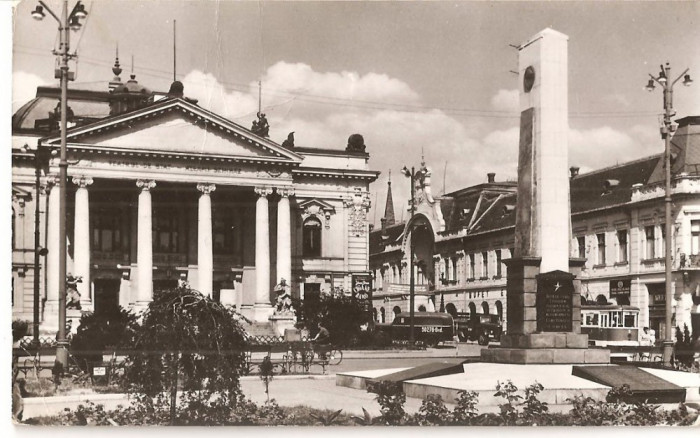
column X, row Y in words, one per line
column 322, row 340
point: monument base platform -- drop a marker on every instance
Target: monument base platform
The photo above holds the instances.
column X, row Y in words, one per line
column 545, row 355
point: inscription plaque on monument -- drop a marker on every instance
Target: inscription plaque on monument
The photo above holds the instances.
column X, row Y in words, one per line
column 555, row 294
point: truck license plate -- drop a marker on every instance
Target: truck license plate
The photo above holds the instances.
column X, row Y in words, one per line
column 431, row 329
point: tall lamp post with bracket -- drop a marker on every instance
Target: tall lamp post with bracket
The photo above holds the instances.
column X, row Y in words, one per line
column 413, row 175
column 666, row 130
column 66, row 22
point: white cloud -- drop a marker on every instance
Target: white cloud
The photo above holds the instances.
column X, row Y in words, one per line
column 395, row 137
column 24, row 88
column 506, row 100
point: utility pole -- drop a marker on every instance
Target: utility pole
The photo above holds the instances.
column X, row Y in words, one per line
column 666, row 131
column 66, row 22
column 413, row 176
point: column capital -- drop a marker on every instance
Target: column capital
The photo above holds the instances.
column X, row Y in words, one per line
column 285, row 192
column 263, row 191
column 206, row 188
column 145, row 184
column 82, row 181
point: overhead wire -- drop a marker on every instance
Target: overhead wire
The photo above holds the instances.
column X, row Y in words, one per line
column 357, row 103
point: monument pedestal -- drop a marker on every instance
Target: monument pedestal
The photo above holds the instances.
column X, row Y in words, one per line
column 281, row 322
column 544, row 318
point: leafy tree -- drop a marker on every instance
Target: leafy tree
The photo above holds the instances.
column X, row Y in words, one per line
column 342, row 315
column 188, row 341
column 101, row 330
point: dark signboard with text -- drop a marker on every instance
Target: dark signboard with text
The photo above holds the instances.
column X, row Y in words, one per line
column 555, row 301
column 620, row 290
column 362, row 290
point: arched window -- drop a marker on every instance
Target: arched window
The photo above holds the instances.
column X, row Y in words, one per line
column 396, row 310
column 485, row 308
column 451, row 309
column 499, row 309
column 382, row 314
column 312, row 237
column 374, row 314
column 421, row 308
column 472, row 309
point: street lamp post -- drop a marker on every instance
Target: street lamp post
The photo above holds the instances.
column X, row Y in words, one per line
column 413, row 176
column 65, row 22
column 666, row 130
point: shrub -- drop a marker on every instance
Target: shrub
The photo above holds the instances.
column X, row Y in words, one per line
column 466, row 409
column 432, row 412
column 391, row 399
column 342, row 315
column 20, row 329
column 100, row 330
column 188, row 342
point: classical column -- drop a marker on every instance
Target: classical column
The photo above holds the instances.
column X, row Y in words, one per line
column 144, row 250
column 81, row 238
column 284, row 236
column 52, row 244
column 205, row 257
column 262, row 252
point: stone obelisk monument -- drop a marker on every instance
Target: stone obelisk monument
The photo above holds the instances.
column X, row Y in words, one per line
column 544, row 304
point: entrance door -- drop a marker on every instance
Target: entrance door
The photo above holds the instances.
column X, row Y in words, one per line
column 106, row 294
column 312, row 291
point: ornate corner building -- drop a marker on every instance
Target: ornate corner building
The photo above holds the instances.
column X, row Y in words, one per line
column 162, row 191
column 617, row 224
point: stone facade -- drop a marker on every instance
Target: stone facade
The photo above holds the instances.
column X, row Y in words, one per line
column 617, row 216
column 170, row 192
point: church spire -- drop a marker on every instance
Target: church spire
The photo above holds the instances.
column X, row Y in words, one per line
column 389, row 219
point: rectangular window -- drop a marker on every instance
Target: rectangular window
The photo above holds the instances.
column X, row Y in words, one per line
column 622, row 246
column 581, row 242
column 166, row 231
column 601, row 248
column 649, row 242
column 499, row 269
column 695, row 237
column 485, row 264
column 106, row 231
column 225, row 233
column 472, row 266
column 663, row 240
column 454, row 269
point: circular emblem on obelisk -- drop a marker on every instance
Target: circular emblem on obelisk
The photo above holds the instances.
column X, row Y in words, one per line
column 528, row 79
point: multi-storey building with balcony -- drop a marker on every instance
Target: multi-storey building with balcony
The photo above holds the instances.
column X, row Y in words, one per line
column 617, row 223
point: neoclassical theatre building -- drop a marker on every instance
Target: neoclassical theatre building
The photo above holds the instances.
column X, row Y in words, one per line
column 617, row 218
column 161, row 191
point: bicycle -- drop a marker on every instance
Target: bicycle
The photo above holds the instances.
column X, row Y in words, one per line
column 326, row 353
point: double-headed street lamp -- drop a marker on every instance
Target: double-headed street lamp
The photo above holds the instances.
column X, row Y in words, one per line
column 65, row 22
column 664, row 80
column 413, row 175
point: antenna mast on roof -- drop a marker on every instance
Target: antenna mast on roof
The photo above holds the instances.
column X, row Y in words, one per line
column 444, row 177
column 174, row 50
column 259, row 96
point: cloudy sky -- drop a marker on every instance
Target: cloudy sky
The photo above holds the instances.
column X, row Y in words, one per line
column 409, row 76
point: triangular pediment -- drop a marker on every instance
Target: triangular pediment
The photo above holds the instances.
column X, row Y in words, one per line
column 175, row 126
column 317, row 205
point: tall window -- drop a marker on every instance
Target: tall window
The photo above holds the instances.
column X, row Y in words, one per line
column 472, row 266
column 581, row 242
column 649, row 238
column 499, row 269
column 663, row 238
column 601, row 248
column 695, row 237
column 485, row 264
column 312, row 237
column 106, row 231
column 454, row 269
column 166, row 231
column 622, row 246
column 224, row 232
